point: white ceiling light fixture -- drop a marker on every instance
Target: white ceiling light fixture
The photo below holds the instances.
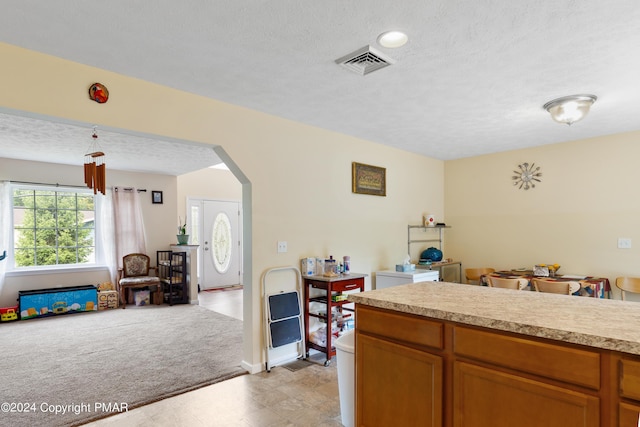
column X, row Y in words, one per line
column 392, row 39
column 570, row 109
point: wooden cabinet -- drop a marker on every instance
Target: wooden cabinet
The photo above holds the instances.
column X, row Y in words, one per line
column 419, row 371
column 484, row 396
column 544, row 359
column 333, row 289
column 402, row 383
column 530, row 391
column 629, row 409
column 628, row 415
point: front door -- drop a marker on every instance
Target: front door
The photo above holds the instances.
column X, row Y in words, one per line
column 220, row 244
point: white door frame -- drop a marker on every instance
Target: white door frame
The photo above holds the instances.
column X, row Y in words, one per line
column 198, row 202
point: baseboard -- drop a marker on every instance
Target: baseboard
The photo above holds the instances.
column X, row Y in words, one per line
column 259, row 367
column 279, row 361
column 252, row 369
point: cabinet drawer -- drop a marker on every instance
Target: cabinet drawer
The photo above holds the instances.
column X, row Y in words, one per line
column 630, row 379
column 347, row 285
column 399, row 327
column 564, row 363
column 336, row 286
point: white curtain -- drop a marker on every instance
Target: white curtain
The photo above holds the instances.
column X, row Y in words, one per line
column 5, row 227
column 108, row 235
column 129, row 225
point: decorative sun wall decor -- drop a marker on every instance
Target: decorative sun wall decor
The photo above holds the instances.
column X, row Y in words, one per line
column 526, row 176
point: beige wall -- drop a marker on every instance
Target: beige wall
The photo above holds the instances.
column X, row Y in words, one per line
column 300, row 183
column 210, row 184
column 587, row 199
column 300, row 176
column 160, row 220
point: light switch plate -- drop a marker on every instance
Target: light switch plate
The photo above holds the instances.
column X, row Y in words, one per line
column 624, row 243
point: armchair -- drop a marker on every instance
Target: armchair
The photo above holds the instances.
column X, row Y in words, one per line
column 135, row 274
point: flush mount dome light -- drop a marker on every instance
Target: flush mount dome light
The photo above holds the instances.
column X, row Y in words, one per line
column 392, row 39
column 570, row 109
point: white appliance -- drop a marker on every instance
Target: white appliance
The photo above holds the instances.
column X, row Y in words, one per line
column 388, row 278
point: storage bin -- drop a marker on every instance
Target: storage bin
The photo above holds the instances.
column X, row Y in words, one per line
column 107, row 299
column 142, row 298
column 7, row 314
column 345, row 349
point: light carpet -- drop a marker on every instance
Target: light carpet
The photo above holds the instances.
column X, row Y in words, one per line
column 81, row 363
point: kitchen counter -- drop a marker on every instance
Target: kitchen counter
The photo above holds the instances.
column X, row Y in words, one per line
column 443, row 354
column 599, row 323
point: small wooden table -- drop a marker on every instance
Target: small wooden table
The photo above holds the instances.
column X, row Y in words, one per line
column 332, row 286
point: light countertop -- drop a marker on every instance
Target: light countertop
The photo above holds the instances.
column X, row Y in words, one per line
column 601, row 323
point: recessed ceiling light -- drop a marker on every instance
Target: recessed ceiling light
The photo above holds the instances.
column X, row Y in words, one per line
column 392, row 39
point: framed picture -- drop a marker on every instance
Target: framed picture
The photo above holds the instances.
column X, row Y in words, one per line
column 156, row 197
column 367, row 179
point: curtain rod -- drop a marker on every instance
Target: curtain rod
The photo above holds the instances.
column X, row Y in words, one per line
column 140, row 190
column 47, row 183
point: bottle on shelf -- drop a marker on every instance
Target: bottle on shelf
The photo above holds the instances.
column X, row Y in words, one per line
column 346, row 260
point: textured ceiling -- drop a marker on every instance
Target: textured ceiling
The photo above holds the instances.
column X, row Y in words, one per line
column 472, row 79
column 40, row 140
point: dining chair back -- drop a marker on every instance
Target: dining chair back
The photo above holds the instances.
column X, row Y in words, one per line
column 473, row 274
column 628, row 284
column 503, row 282
column 551, row 287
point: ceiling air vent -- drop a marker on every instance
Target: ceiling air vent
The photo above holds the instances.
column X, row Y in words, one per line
column 365, row 60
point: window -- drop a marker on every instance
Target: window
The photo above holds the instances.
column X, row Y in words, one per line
column 53, row 227
column 221, row 239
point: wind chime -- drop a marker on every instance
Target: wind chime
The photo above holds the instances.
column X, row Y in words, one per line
column 95, row 168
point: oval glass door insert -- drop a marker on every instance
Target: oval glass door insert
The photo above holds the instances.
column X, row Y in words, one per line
column 221, row 242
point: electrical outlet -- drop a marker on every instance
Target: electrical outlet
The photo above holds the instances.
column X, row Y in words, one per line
column 624, row 243
column 282, row 247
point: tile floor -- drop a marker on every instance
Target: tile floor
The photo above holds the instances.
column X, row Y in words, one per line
column 228, row 302
column 307, row 397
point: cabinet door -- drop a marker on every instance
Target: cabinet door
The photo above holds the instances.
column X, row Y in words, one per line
column 629, row 415
column 486, row 397
column 396, row 385
column 630, row 379
column 630, row 389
